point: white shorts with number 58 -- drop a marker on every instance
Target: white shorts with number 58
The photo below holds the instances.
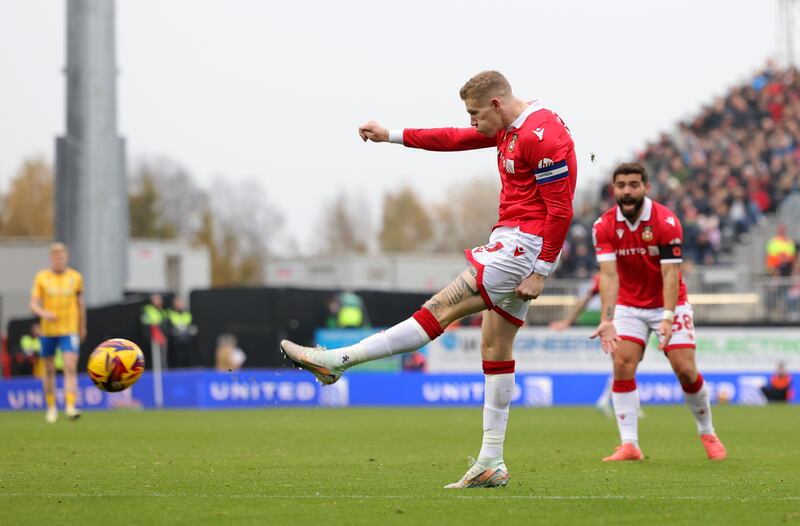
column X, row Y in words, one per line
column 634, row 325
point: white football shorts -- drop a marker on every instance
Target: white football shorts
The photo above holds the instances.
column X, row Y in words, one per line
column 634, row 325
column 502, row 264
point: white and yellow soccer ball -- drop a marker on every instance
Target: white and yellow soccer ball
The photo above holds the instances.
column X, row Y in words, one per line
column 115, row 365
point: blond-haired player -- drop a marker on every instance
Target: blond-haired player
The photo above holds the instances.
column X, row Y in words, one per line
column 56, row 297
column 538, row 170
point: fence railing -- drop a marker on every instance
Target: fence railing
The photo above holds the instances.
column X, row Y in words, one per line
column 754, row 300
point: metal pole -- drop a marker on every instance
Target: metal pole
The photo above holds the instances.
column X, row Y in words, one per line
column 91, row 187
column 158, row 381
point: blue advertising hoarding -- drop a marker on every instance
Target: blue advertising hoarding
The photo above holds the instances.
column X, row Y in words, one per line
column 202, row 389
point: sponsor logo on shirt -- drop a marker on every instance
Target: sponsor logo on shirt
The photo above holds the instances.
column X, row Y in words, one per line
column 670, row 220
column 636, row 251
column 620, row 233
column 539, row 133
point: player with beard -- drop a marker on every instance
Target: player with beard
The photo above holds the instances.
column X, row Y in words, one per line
column 638, row 245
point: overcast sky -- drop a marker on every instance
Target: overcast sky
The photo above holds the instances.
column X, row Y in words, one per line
column 276, row 90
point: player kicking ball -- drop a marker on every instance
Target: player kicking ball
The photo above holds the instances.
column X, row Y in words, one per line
column 536, row 161
column 638, row 245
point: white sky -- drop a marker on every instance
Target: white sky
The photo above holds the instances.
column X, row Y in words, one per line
column 276, row 90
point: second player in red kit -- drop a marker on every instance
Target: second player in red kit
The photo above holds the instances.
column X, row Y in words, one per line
column 639, row 249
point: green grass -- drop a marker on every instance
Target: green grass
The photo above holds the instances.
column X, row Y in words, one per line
column 387, row 466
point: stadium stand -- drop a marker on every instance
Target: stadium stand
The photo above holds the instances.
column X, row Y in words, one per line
column 724, row 170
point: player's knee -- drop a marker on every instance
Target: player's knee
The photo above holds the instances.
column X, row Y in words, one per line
column 625, row 365
column 495, row 350
column 686, row 374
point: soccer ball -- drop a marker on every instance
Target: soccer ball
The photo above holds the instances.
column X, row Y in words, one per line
column 115, row 365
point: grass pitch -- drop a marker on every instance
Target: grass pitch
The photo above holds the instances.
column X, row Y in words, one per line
column 387, row 466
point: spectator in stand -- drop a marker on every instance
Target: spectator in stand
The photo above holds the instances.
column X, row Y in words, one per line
column 722, row 170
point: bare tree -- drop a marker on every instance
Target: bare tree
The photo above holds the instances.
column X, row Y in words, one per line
column 345, row 225
column 239, row 227
column 465, row 219
column 406, row 222
column 166, row 199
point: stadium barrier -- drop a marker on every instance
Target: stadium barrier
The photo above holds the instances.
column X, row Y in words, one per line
column 261, row 317
column 270, row 388
column 719, row 350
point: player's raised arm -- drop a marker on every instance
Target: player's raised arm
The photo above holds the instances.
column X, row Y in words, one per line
column 444, row 139
column 433, row 139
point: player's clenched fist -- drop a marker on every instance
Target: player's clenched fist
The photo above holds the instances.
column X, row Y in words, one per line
column 530, row 287
column 373, row 131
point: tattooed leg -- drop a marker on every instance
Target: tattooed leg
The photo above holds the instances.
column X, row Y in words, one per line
column 460, row 298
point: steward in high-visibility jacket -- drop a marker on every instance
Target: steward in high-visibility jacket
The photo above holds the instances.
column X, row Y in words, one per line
column 781, row 252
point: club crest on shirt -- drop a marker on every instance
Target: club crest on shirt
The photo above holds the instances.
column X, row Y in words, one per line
column 647, row 233
column 512, row 143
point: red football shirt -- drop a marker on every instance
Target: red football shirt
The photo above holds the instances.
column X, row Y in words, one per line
column 538, row 170
column 639, row 250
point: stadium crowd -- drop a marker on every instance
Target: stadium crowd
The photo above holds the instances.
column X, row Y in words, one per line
column 721, row 170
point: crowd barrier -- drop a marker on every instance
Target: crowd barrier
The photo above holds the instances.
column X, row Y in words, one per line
column 202, row 389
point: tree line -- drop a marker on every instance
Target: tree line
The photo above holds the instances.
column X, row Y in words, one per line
column 239, row 226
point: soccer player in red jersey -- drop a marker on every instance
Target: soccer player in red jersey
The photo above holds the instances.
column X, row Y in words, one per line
column 537, row 165
column 638, row 245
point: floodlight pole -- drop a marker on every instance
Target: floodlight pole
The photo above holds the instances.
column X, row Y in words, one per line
column 785, row 33
column 91, row 187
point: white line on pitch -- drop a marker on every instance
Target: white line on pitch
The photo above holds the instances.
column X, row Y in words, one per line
column 400, row 497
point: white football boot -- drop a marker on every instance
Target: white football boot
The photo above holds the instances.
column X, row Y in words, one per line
column 479, row 476
column 51, row 415
column 313, row 360
column 73, row 413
